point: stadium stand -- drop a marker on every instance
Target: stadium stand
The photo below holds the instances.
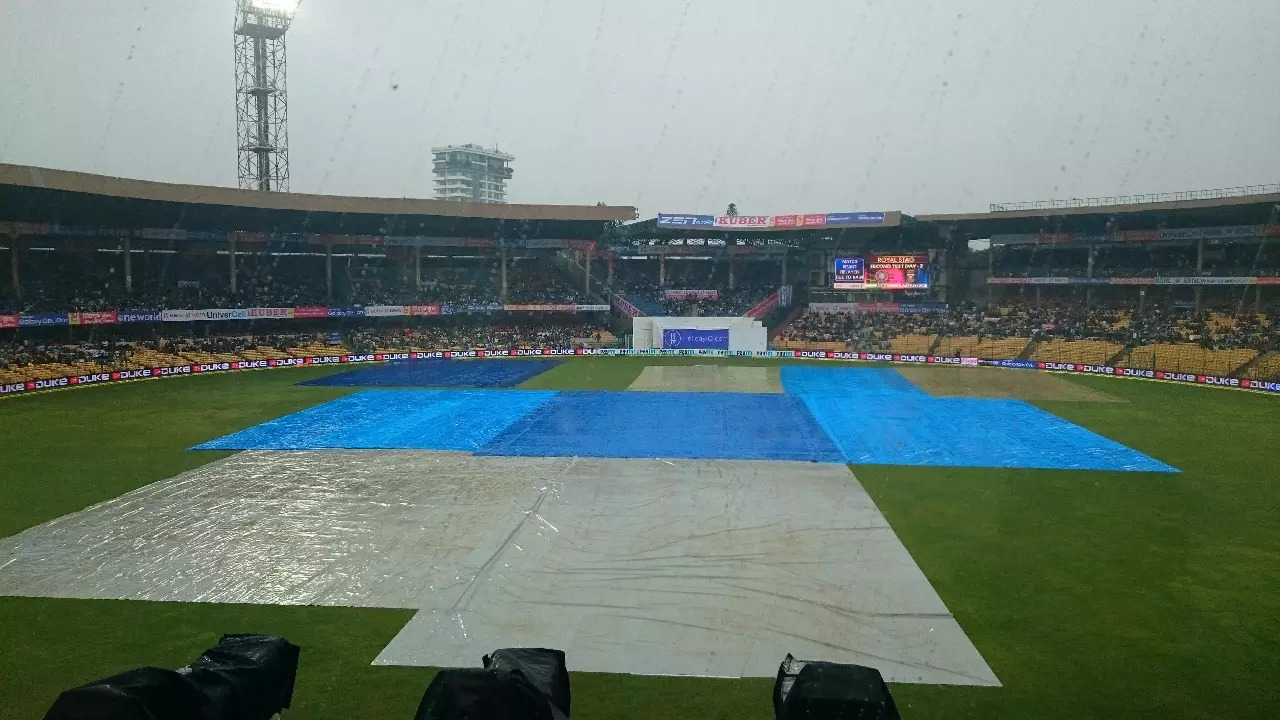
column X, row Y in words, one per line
column 1213, row 343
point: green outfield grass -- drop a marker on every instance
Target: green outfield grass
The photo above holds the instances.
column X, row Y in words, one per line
column 1090, row 594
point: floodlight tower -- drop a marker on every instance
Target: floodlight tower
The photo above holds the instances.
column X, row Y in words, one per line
column 262, row 131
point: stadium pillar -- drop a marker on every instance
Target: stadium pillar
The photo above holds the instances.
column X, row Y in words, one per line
column 662, row 270
column 1257, row 298
column 14, row 283
column 991, row 269
column 328, row 272
column 1199, row 269
column 608, row 259
column 1038, row 296
column 502, row 264
column 586, row 272
column 1088, row 289
column 417, row 266
column 231, row 254
column 733, row 278
column 784, row 267
column 128, row 266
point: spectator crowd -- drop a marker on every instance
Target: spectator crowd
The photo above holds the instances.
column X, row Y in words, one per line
column 1068, row 321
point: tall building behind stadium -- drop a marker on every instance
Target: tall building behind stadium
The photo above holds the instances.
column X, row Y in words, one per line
column 470, row 173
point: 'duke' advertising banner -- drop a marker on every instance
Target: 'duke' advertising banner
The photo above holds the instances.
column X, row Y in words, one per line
column 695, row 339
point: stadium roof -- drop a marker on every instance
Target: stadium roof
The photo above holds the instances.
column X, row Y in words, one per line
column 40, row 195
column 1233, row 210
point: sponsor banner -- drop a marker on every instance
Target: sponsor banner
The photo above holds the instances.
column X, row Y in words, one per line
column 742, row 222
column 1203, row 281
column 138, row 316
column 1160, row 280
column 423, row 310
column 691, row 294
column 538, row 308
column 625, row 307
column 311, row 311
column 1013, row 239
column 42, row 319
column 204, row 314
column 482, row 307
column 665, row 220
column 813, row 221
column 787, row 221
column 833, row 307
column 8, row 321
column 345, row 312
column 591, row 308
column 1206, row 233
column 269, row 313
column 1138, row 235
column 1016, row 363
column 93, row 318
column 385, row 311
column 695, row 339
column 857, row 218
column 969, row 361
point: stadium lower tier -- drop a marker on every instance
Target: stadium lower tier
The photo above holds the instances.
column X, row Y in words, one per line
column 1166, row 357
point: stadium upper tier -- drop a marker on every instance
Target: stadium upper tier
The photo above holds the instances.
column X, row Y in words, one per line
column 59, row 197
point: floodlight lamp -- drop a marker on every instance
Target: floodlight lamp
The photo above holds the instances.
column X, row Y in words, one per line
column 281, row 7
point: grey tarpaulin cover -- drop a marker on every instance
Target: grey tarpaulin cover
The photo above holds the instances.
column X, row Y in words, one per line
column 544, row 668
column 146, row 693
column 811, row 690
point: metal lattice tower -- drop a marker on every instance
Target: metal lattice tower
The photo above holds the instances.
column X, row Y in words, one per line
column 262, row 129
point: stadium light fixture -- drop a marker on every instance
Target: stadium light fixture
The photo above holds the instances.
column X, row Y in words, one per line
column 282, row 7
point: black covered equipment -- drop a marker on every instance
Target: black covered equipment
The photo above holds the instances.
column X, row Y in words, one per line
column 482, row 694
column 542, row 667
column 515, row 684
column 814, row 690
column 145, row 693
column 246, row 677
column 243, row 677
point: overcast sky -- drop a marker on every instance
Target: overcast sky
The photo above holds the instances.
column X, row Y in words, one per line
column 672, row 105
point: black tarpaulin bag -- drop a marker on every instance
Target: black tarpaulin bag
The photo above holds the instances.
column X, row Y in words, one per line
column 245, row 676
column 482, row 694
column 544, row 668
column 814, row 690
column 145, row 693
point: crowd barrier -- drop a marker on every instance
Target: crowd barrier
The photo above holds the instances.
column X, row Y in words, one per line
column 72, row 381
